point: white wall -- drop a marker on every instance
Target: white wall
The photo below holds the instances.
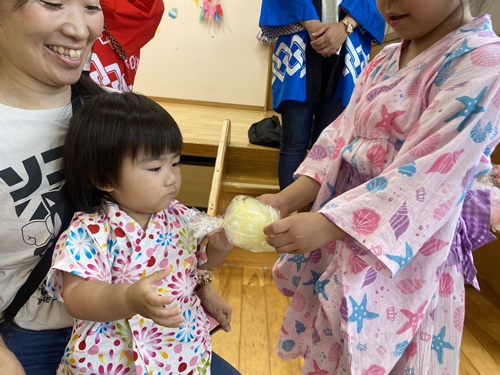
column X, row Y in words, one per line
column 206, row 61
column 219, row 62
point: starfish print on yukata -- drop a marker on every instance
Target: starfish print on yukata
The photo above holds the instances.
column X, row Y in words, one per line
column 402, row 261
column 484, row 28
column 319, row 288
column 314, row 280
column 317, row 370
column 471, row 107
column 413, row 319
column 464, row 48
column 438, row 344
column 298, row 259
column 388, row 120
column 360, row 312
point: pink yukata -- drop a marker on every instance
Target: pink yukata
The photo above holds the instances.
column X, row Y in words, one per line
column 110, row 246
column 394, row 171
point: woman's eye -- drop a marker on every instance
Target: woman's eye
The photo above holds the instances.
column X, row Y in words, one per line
column 52, row 5
column 178, row 164
column 94, row 8
column 157, row 169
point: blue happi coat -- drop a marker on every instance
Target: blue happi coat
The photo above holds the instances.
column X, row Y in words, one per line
column 280, row 18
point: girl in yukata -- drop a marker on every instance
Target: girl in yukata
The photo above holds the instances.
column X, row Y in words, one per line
column 126, row 268
column 376, row 270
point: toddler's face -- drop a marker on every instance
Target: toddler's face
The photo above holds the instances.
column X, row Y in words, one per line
column 147, row 184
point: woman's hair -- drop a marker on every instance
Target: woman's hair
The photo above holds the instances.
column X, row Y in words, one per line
column 106, row 130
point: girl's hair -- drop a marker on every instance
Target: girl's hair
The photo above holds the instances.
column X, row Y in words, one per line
column 106, row 130
column 477, row 7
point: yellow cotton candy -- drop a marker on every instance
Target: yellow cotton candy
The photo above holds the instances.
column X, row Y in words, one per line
column 245, row 220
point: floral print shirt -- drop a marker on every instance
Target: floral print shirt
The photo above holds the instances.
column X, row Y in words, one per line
column 110, row 246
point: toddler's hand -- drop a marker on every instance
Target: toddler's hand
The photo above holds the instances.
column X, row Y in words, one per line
column 220, row 241
column 215, row 305
column 143, row 298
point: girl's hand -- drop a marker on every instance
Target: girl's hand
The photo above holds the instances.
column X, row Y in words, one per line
column 215, row 305
column 274, row 200
column 302, row 233
column 142, row 298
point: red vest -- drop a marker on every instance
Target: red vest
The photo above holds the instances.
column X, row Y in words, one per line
column 130, row 24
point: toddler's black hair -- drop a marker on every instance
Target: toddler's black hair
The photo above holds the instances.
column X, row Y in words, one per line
column 105, row 130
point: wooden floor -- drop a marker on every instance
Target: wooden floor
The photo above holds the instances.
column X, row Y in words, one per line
column 258, row 308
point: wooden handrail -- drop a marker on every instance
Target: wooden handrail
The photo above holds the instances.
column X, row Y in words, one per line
column 220, row 169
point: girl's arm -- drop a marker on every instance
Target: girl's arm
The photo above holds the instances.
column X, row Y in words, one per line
column 100, row 301
column 294, row 197
column 302, row 232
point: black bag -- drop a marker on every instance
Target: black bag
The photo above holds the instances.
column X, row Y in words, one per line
column 266, row 132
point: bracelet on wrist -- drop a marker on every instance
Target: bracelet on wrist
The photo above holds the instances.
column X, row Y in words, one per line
column 203, row 279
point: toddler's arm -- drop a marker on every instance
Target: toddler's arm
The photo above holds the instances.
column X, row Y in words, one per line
column 218, row 249
column 215, row 305
column 100, row 301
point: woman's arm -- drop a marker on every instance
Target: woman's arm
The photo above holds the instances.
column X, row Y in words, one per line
column 8, row 361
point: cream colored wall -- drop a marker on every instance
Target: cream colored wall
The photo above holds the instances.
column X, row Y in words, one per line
column 207, row 61
column 220, row 62
column 493, row 8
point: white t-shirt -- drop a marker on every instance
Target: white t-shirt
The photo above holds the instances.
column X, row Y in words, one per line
column 31, row 206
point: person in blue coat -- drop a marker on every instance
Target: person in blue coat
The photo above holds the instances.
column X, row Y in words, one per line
column 321, row 48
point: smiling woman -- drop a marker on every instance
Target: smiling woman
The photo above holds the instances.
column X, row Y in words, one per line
column 41, row 49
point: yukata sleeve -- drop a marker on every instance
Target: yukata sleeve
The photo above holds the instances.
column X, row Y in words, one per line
column 323, row 161
column 414, row 205
column 133, row 23
column 78, row 253
column 197, row 223
column 283, row 17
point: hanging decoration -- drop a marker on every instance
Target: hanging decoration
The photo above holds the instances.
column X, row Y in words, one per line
column 173, row 13
column 211, row 9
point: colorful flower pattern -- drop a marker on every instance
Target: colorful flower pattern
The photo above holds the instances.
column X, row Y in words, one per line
column 387, row 299
column 110, row 246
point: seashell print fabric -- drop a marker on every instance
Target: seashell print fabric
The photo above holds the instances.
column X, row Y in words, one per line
column 388, row 299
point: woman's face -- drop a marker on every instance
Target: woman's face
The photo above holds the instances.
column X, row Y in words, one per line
column 47, row 41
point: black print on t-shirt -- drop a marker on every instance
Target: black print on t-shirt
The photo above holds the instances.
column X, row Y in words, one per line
column 45, row 209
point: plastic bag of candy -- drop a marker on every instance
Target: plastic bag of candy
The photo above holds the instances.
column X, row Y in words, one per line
column 243, row 223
